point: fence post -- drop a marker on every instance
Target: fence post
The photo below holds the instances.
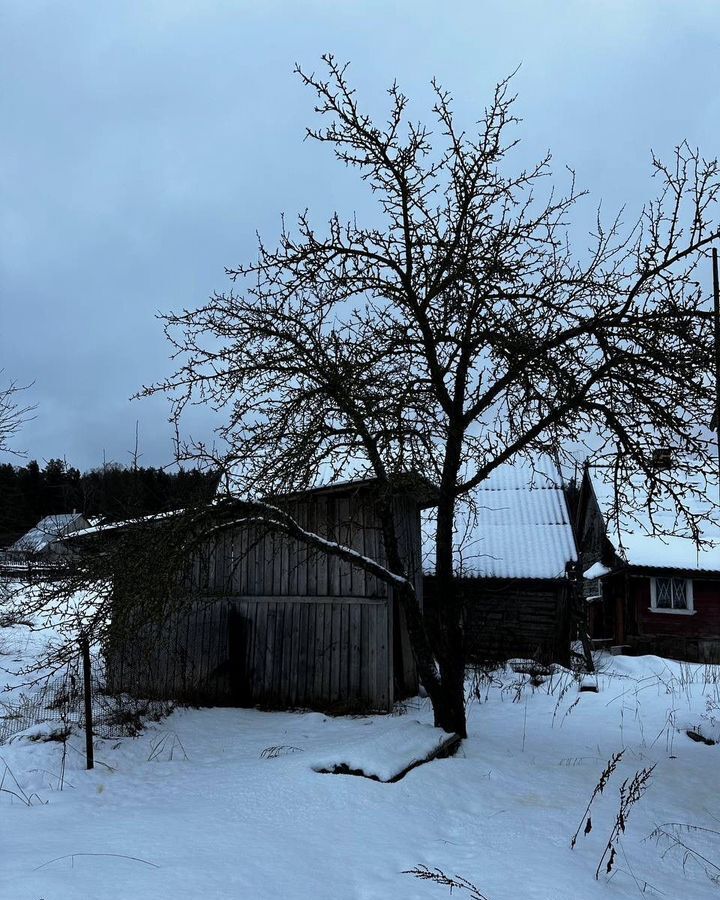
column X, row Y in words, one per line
column 85, row 649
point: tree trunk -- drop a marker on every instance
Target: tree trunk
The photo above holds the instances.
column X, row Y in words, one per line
column 450, row 704
column 449, row 708
column 439, row 656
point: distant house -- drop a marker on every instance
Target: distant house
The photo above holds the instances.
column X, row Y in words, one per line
column 44, row 543
column 651, row 594
column 280, row 625
column 511, row 557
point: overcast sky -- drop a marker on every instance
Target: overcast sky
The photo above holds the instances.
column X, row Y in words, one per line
column 143, row 144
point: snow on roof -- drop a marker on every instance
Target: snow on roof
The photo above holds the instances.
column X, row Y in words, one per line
column 47, row 531
column 519, row 527
column 669, row 551
column 596, row 570
column 635, row 542
column 102, row 526
column 672, row 552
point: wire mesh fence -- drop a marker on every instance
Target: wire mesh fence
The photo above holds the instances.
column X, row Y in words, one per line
column 59, row 704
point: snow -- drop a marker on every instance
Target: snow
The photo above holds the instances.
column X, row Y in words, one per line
column 518, row 526
column 98, row 526
column 47, row 531
column 596, row 570
column 673, row 551
column 43, row 731
column 225, row 803
column 384, row 753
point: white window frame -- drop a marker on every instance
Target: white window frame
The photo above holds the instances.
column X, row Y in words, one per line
column 689, row 611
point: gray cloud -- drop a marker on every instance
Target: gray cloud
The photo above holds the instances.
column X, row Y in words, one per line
column 144, row 143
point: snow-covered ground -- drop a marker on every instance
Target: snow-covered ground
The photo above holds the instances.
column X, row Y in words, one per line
column 225, row 803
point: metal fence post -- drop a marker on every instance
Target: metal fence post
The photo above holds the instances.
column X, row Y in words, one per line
column 85, row 649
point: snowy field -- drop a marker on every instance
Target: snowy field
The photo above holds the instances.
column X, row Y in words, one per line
column 226, row 803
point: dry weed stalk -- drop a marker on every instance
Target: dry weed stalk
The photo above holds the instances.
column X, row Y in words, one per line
column 456, row 882
column 630, row 793
column 279, row 750
column 674, row 833
column 167, row 744
column 599, row 788
column 16, row 791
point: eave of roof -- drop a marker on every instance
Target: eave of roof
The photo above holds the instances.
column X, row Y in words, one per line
column 409, row 483
column 514, row 579
column 672, row 570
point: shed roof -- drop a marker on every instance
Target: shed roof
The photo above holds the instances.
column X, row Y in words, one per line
column 517, row 526
column 409, row 483
column 47, row 531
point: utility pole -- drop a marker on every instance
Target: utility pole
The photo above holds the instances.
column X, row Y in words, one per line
column 716, row 297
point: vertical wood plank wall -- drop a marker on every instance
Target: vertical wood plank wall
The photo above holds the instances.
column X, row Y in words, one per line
column 282, row 625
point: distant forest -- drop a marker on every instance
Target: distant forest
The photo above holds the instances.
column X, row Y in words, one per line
column 28, row 493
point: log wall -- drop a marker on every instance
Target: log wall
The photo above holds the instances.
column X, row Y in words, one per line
column 507, row 618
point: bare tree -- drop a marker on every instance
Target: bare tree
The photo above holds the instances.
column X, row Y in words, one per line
column 458, row 331
column 12, row 414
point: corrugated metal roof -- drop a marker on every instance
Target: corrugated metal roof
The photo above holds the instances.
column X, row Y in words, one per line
column 48, row 530
column 519, row 527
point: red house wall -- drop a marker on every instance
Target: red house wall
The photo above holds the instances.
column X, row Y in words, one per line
column 693, row 636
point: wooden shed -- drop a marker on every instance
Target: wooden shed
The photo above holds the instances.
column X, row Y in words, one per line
column 512, row 551
column 280, row 625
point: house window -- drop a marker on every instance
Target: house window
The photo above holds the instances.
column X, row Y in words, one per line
column 671, row 595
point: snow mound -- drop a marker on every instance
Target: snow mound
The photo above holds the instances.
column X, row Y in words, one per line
column 388, row 753
column 43, row 731
column 597, row 570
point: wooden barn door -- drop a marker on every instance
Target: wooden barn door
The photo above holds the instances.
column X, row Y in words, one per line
column 238, row 669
